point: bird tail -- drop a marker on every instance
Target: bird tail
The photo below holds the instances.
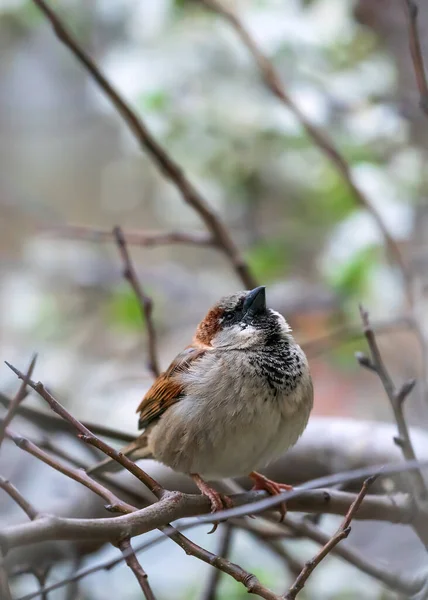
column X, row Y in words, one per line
column 134, row 451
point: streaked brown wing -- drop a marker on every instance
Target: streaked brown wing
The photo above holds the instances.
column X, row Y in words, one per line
column 167, row 389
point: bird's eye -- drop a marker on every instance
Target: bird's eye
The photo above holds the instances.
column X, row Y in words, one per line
column 228, row 316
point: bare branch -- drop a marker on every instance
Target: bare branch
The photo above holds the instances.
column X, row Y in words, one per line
column 376, row 570
column 52, row 422
column 411, row 9
column 20, row 396
column 10, row 489
column 132, row 562
column 396, row 398
column 144, row 301
column 114, row 504
column 4, row 581
column 342, row 533
column 168, row 167
column 213, row 581
column 146, row 239
column 319, row 138
column 90, row 438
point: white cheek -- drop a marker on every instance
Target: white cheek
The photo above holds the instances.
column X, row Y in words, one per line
column 236, row 337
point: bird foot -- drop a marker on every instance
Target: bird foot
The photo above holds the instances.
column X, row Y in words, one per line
column 271, row 487
column 218, row 501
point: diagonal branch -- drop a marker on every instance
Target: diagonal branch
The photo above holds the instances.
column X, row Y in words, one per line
column 16, row 495
column 319, row 138
column 90, row 438
column 213, row 581
column 411, row 8
column 145, row 302
column 168, row 167
column 20, row 396
column 342, row 533
column 132, row 562
column 50, row 421
column 114, row 504
column 146, row 239
column 396, row 397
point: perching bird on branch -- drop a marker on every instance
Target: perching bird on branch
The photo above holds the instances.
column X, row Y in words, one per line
column 231, row 402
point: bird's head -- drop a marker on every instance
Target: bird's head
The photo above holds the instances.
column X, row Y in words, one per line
column 242, row 320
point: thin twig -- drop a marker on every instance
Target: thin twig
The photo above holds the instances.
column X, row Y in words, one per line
column 144, row 301
column 146, row 239
column 90, row 438
column 319, row 138
column 20, row 396
column 113, row 502
column 342, row 533
column 16, row 495
column 132, row 562
column 396, row 398
column 411, row 9
column 213, row 581
column 52, row 422
column 4, row 581
column 396, row 582
column 168, row 167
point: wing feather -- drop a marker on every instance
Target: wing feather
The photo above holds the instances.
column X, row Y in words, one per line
column 167, row 389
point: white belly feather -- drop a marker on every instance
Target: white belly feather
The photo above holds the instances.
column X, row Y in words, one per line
column 230, row 422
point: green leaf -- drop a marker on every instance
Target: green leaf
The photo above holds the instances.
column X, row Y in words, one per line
column 123, row 309
column 156, row 101
column 350, row 279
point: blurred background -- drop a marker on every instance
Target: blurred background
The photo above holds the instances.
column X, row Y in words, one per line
column 67, row 159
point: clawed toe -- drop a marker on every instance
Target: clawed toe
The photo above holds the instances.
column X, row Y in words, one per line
column 271, row 487
column 218, row 501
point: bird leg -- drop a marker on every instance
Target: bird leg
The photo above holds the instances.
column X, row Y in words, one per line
column 218, row 501
column 271, row 487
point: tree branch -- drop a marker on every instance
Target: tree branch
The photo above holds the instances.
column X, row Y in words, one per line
column 20, row 396
column 144, row 301
column 146, row 239
column 411, row 9
column 90, row 438
column 54, row 423
column 273, row 82
column 396, row 398
column 342, row 533
column 10, row 489
column 168, row 167
column 132, row 562
column 213, row 581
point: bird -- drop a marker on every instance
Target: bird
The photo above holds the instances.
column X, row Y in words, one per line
column 231, row 402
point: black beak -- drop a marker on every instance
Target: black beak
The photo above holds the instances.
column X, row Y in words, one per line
column 255, row 302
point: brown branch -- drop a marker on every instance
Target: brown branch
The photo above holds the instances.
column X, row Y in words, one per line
column 132, row 562
column 90, row 438
column 397, row 583
column 54, row 423
column 342, row 533
column 10, row 489
column 168, row 167
column 20, row 396
column 146, row 239
column 144, row 301
column 4, row 581
column 114, row 503
column 396, row 398
column 176, row 506
column 213, row 581
column 319, row 138
column 411, row 9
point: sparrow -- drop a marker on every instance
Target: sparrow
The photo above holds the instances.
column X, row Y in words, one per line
column 231, row 402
